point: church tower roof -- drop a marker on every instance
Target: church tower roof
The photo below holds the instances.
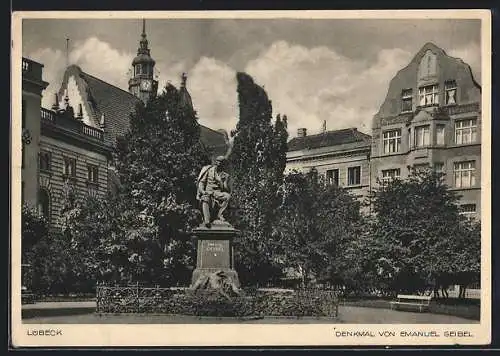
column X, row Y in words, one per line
column 143, row 52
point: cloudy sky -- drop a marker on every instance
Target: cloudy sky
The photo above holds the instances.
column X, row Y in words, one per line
column 336, row 70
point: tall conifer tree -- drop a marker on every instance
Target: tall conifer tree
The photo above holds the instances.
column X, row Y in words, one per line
column 257, row 161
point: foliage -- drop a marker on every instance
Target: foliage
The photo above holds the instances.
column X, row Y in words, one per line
column 136, row 299
column 418, row 234
column 315, row 223
column 257, row 162
column 157, row 162
column 34, row 229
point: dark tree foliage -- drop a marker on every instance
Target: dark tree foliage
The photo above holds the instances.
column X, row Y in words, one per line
column 257, row 161
column 418, row 235
column 316, row 221
column 157, row 162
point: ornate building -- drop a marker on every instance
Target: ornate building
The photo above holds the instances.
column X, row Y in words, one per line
column 70, row 144
column 431, row 117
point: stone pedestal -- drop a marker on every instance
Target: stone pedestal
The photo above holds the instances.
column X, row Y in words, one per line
column 214, row 252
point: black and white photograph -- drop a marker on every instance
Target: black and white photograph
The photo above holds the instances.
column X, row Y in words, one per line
column 251, row 178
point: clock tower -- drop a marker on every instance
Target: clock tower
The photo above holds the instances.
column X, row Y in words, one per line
column 142, row 83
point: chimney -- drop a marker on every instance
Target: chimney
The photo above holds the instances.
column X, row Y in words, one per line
column 80, row 112
column 102, row 122
column 302, row 132
column 55, row 106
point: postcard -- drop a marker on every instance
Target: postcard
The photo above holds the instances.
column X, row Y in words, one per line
column 251, row 178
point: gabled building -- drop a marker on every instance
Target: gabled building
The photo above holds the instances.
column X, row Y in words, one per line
column 341, row 156
column 431, row 117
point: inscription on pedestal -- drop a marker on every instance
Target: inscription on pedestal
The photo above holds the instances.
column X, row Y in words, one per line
column 214, row 254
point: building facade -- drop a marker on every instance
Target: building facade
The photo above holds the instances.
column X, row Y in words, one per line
column 32, row 89
column 341, row 156
column 431, row 117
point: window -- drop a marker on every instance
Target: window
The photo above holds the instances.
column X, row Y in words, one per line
column 465, row 131
column 422, row 136
column 406, row 100
column 92, row 174
column 390, row 174
column 440, row 135
column 439, row 167
column 392, row 141
column 465, row 174
column 450, row 89
column 409, row 138
column 45, row 161
column 420, row 167
column 332, row 177
column 354, row 175
column 69, row 167
column 44, row 202
column 137, row 69
column 428, row 95
column 468, row 209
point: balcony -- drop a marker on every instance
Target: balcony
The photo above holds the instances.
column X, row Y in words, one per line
column 461, row 109
column 69, row 123
column 32, row 70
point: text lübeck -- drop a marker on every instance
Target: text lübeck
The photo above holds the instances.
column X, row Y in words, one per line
column 46, row 332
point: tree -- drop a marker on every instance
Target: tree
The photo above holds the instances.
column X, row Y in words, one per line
column 316, row 221
column 419, row 235
column 257, row 162
column 157, row 163
column 34, row 229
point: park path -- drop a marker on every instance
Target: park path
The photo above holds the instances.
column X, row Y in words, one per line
column 347, row 315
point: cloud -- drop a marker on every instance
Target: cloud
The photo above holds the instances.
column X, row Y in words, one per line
column 54, row 63
column 94, row 56
column 470, row 54
column 212, row 85
column 310, row 85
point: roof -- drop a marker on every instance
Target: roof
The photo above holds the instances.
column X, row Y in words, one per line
column 116, row 105
column 104, row 99
column 329, row 138
column 407, row 78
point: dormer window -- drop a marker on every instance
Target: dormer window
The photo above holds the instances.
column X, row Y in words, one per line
column 428, row 95
column 406, row 100
column 450, row 89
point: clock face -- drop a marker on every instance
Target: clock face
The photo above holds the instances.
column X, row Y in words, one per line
column 146, row 85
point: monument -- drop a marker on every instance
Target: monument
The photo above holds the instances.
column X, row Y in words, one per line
column 214, row 237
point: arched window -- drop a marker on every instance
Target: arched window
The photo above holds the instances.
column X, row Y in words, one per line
column 44, row 203
column 138, row 69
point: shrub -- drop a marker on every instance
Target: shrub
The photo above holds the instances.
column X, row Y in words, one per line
column 214, row 304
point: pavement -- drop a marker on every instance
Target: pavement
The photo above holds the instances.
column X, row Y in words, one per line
column 84, row 313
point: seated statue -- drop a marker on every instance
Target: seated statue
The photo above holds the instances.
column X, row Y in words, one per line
column 213, row 191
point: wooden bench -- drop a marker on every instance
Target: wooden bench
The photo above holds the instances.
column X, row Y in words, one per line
column 417, row 301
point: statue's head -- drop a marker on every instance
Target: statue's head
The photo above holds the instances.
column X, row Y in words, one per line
column 219, row 160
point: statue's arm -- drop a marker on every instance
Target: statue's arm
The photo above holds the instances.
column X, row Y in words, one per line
column 202, row 182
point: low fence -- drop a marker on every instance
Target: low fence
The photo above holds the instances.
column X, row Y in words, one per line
column 182, row 301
